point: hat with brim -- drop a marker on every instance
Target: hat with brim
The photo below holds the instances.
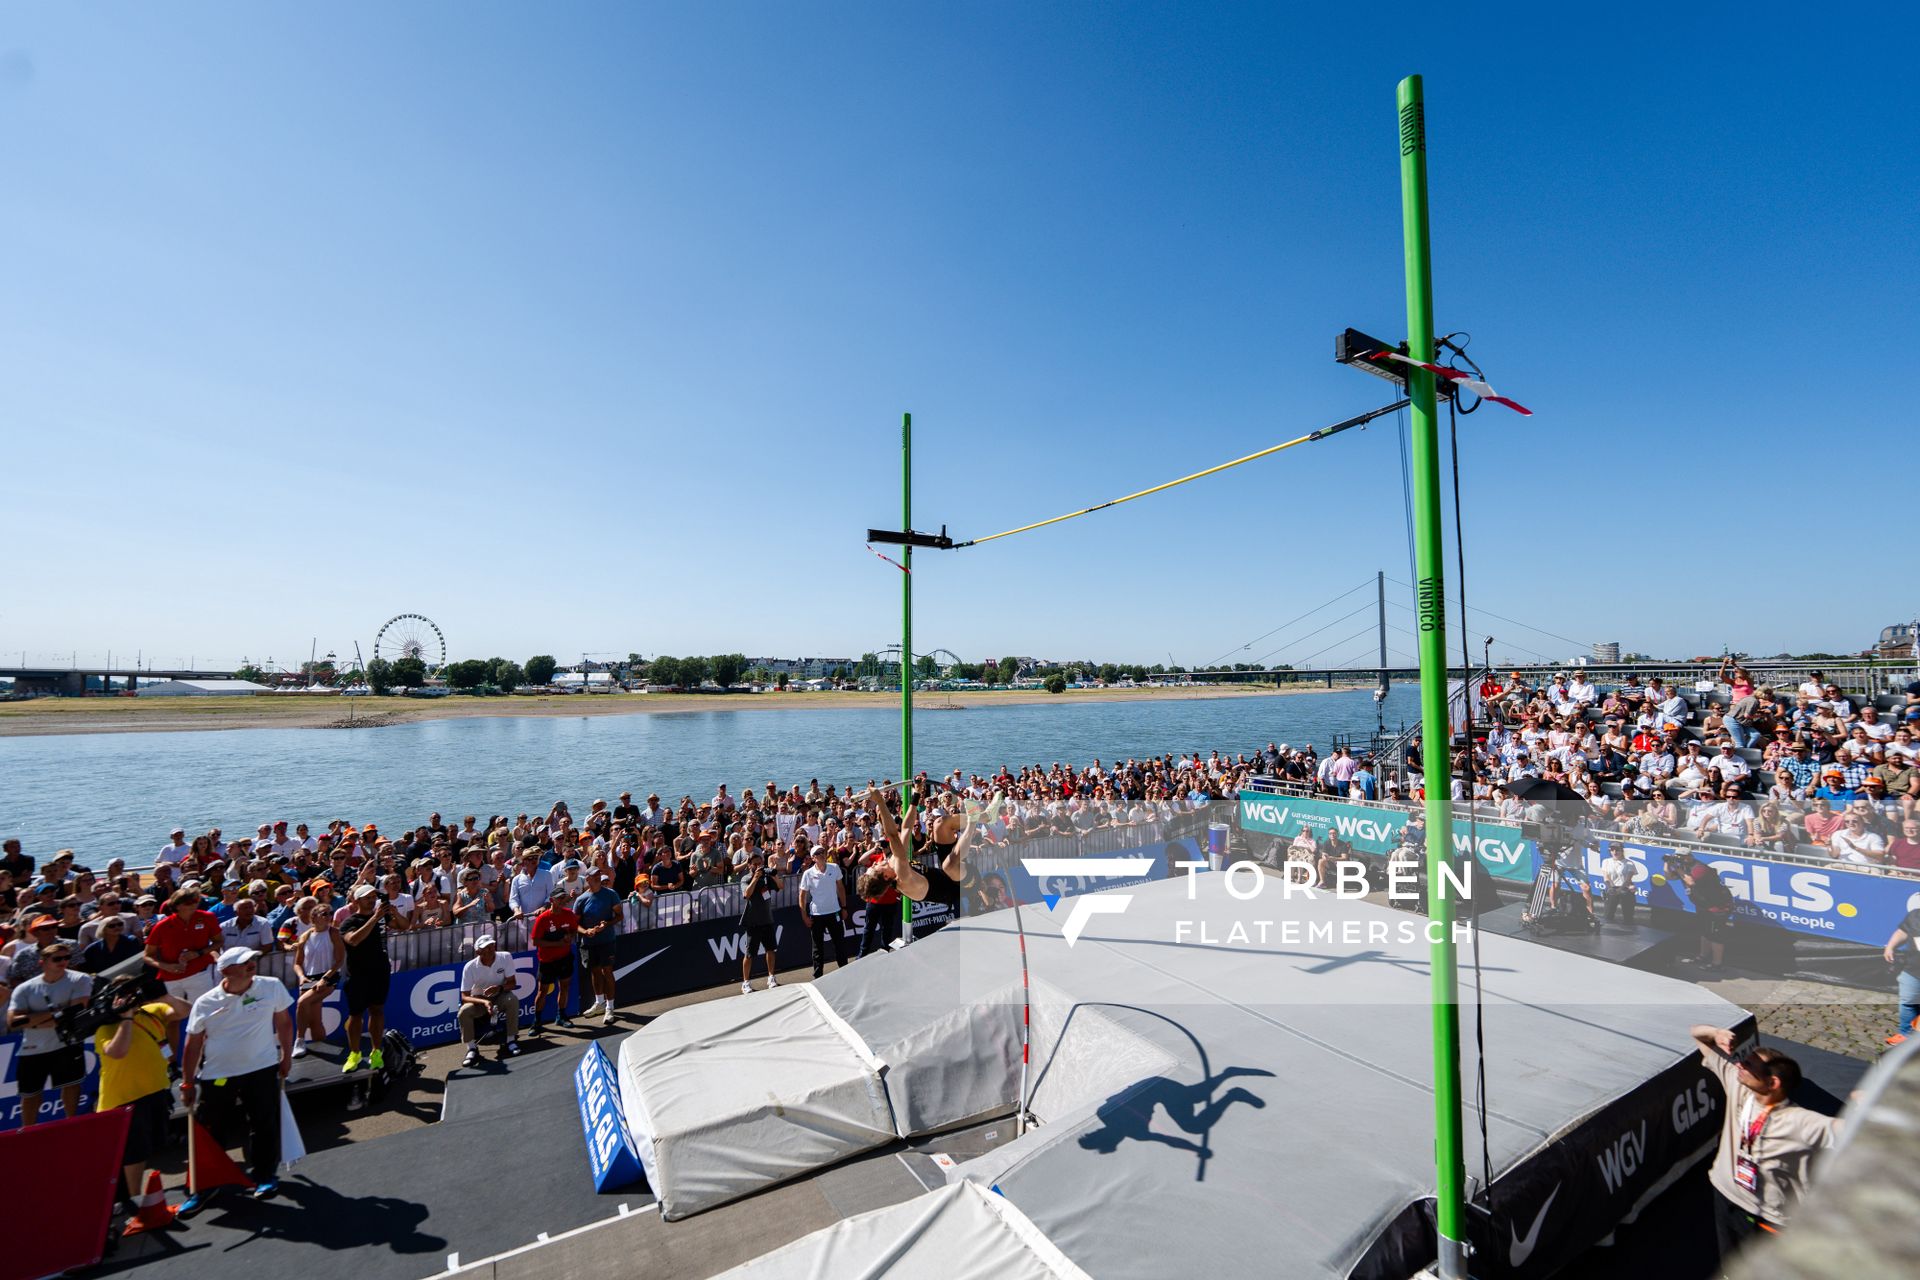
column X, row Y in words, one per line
column 235, row 956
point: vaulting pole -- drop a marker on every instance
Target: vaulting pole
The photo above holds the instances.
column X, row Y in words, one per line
column 906, row 652
column 1380, row 702
column 1435, row 732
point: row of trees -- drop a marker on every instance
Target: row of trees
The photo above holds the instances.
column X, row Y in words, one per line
column 502, row 674
column 724, row 669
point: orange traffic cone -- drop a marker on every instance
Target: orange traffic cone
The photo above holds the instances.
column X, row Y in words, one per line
column 151, row 1210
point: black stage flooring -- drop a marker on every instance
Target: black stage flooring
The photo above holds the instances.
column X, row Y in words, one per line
column 507, row 1164
column 499, row 1190
column 321, row 1067
column 1635, row 945
column 500, row 1185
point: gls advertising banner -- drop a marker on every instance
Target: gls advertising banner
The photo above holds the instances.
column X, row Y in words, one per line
column 610, row 1150
column 1828, row 902
column 1502, row 849
column 50, row 1108
column 424, row 1004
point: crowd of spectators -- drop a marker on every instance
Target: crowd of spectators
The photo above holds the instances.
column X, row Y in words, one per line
column 1812, row 772
column 296, row 887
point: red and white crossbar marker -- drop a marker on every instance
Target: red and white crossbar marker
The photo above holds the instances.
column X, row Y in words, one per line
column 895, row 563
column 1474, row 385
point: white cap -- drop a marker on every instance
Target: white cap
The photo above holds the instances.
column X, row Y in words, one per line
column 237, row 955
column 482, row 942
column 361, row 891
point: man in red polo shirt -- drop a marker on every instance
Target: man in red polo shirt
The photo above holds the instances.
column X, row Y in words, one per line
column 182, row 945
column 554, row 930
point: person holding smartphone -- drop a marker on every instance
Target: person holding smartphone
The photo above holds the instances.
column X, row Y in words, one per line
column 363, row 935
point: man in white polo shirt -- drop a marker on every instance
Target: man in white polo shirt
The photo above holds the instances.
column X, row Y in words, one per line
column 488, row 984
column 239, row 1048
column 823, row 895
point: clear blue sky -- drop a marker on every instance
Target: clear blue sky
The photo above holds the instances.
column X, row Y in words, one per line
column 588, row 327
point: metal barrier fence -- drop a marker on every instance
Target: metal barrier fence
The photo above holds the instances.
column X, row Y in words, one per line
column 453, row 944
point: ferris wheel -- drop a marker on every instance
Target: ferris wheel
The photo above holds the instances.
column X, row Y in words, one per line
column 411, row 635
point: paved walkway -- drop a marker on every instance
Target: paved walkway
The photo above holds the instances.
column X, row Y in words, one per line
column 1849, row 1020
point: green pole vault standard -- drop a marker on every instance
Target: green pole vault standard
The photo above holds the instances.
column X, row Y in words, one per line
column 1435, row 733
column 906, row 651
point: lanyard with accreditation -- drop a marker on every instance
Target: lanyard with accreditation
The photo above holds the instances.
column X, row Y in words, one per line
column 1746, row 1169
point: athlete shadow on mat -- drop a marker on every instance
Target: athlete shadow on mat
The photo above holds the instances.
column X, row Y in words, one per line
column 305, row 1212
column 1128, row 1115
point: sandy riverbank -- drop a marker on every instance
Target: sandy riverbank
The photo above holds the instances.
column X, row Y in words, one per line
column 291, row 711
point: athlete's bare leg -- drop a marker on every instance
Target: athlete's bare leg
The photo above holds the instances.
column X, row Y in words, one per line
column 900, row 852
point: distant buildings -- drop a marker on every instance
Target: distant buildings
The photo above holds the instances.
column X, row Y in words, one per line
column 570, row 680
column 803, row 668
column 200, row 688
column 1896, row 641
column 1606, row 652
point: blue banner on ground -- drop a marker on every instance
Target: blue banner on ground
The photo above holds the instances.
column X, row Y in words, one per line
column 610, row 1151
column 1369, row 829
column 1826, row 902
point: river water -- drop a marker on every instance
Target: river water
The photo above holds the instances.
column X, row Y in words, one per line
column 119, row 793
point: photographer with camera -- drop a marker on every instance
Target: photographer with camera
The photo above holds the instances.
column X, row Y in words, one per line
column 756, row 921
column 369, row 973
column 46, row 1058
column 133, row 1066
column 1712, row 906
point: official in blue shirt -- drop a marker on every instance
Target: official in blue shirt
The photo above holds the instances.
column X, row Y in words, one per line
column 598, row 910
column 531, row 887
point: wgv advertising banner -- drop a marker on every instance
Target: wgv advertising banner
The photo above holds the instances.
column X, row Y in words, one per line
column 1827, row 902
column 1503, row 850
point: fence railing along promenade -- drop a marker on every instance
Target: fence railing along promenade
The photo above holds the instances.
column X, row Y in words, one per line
column 451, row 944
